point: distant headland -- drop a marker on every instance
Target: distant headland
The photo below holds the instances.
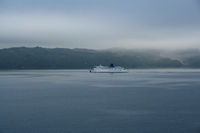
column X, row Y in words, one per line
column 63, row 58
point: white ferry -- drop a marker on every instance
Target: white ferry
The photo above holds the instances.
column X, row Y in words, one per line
column 110, row 69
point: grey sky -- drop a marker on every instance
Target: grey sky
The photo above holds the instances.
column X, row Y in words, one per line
column 100, row 24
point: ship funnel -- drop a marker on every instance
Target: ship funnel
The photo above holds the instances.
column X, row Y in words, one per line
column 112, row 65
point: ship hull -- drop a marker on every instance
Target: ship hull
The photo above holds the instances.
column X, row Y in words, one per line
column 108, row 71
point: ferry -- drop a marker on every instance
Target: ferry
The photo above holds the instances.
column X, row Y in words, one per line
column 108, row 69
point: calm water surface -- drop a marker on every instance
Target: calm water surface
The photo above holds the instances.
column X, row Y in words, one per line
column 75, row 101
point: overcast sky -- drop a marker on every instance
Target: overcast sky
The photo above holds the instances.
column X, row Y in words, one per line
column 100, row 24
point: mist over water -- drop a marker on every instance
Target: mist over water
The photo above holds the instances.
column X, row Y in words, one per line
column 76, row 101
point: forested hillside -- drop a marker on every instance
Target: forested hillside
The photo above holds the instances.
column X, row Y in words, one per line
column 62, row 58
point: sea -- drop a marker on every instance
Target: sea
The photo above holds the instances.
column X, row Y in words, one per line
column 76, row 101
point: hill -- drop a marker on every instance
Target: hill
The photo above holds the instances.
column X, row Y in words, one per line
column 63, row 58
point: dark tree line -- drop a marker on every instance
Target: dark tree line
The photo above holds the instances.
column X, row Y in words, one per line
column 60, row 58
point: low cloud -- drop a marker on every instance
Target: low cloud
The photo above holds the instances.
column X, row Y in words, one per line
column 98, row 30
